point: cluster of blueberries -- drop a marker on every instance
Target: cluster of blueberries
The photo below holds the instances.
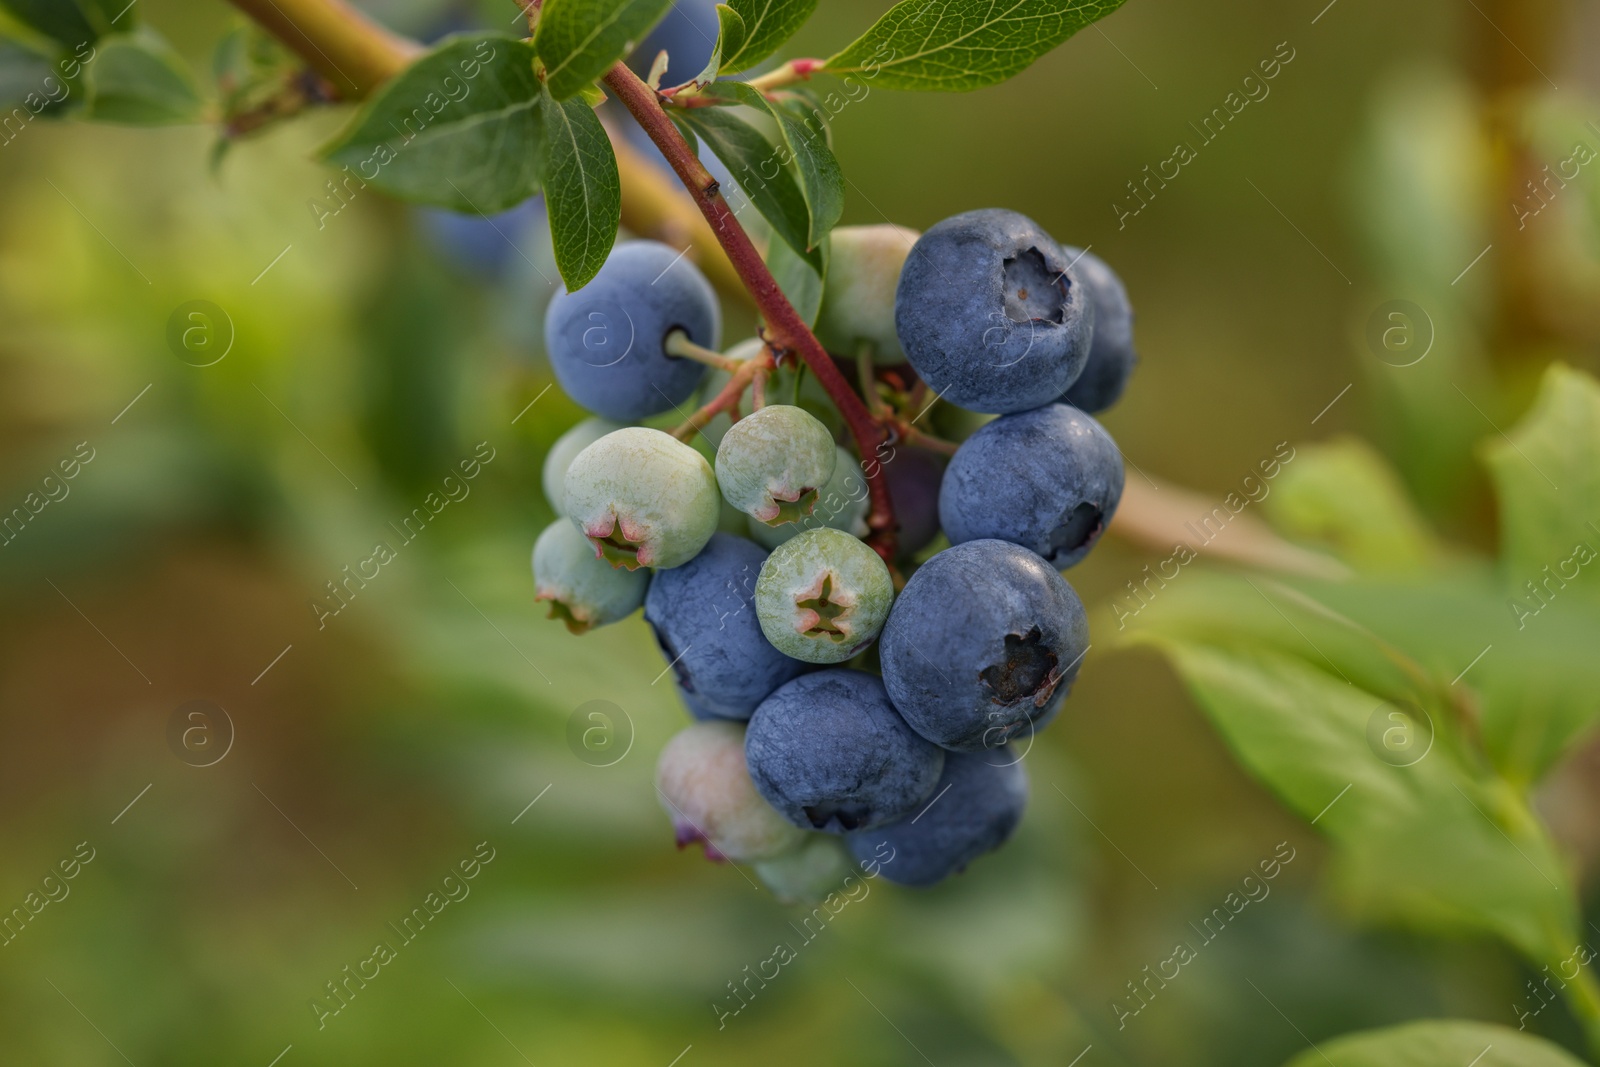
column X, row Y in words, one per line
column 753, row 572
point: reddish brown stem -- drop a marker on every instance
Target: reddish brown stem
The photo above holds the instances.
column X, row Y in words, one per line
column 728, row 399
column 785, row 329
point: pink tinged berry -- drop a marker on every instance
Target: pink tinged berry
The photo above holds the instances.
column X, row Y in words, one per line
column 643, row 498
column 823, row 596
column 770, row 464
column 705, row 787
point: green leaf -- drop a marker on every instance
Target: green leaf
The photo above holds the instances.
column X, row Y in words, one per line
column 750, row 156
column 764, row 24
column 579, row 40
column 462, row 128
column 1343, row 496
column 73, row 23
column 957, row 45
column 1434, row 1043
column 821, row 181
column 1546, row 473
column 582, row 195
column 1353, row 734
column 730, row 33
column 141, row 81
column 799, row 281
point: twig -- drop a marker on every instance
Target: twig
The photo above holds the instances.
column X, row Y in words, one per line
column 785, row 329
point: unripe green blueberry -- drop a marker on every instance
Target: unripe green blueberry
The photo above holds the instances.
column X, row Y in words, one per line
column 584, row 592
column 565, row 450
column 771, row 463
column 806, row 876
column 842, row 504
column 823, row 596
column 858, row 297
column 643, row 498
column 705, row 786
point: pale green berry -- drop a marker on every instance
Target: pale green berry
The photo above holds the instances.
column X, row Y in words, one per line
column 584, row 592
column 823, row 596
column 564, row 451
column 643, row 498
column 705, row 787
column 842, row 504
column 808, row 875
column 858, row 297
column 772, row 462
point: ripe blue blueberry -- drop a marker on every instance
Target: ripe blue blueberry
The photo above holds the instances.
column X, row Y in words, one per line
column 643, row 498
column 822, row 596
column 704, row 618
column 974, row 808
column 703, row 784
column 990, row 314
column 564, row 451
column 606, row 341
column 1111, row 356
column 983, row 643
column 482, row 244
column 1047, row 479
column 771, row 463
column 829, row 751
column 584, row 592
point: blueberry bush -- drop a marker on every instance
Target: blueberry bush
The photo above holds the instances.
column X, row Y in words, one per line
column 847, row 532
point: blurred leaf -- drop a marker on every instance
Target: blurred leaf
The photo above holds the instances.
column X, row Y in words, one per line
column 481, row 151
column 73, row 22
column 958, row 45
column 799, row 281
column 1437, row 1042
column 28, row 79
column 821, row 182
column 579, row 40
column 764, row 25
column 1343, row 496
column 141, row 81
column 1547, row 475
column 749, row 154
column 1345, row 730
column 582, row 194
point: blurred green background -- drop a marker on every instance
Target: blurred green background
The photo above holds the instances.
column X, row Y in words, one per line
column 372, row 754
